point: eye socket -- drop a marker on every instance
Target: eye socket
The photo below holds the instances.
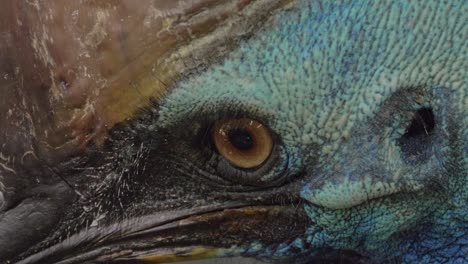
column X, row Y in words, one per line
column 244, row 142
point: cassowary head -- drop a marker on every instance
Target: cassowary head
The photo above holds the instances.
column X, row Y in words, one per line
column 290, row 131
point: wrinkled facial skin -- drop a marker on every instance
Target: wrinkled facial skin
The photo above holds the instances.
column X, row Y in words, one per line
column 366, row 102
column 340, row 85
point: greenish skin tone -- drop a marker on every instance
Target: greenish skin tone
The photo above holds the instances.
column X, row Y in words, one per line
column 341, row 87
column 339, row 83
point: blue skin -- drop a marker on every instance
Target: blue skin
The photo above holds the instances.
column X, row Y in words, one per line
column 339, row 84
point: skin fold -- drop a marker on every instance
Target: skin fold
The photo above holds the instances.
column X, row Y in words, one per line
column 107, row 153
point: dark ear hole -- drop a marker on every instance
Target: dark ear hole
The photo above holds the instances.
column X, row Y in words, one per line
column 422, row 124
column 415, row 144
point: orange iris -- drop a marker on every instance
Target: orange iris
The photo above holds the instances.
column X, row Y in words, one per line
column 244, row 142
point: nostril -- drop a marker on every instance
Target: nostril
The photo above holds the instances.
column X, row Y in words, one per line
column 422, row 124
column 415, row 144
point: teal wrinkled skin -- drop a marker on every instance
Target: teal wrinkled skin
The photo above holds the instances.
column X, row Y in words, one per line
column 339, row 81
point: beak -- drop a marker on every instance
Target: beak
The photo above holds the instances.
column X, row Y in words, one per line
column 183, row 254
column 175, row 236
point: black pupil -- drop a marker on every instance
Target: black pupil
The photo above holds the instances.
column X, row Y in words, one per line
column 240, row 138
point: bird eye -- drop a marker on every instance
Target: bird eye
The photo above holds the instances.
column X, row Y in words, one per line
column 244, row 142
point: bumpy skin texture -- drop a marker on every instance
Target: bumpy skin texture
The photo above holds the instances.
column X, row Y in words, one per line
column 339, row 82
